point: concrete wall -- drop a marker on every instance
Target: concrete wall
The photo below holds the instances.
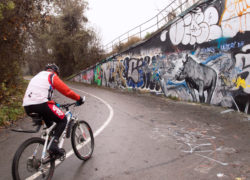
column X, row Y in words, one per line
column 202, row 56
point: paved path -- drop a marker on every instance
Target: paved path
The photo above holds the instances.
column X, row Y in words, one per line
column 150, row 137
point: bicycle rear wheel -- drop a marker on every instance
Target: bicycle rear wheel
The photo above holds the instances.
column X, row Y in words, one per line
column 82, row 140
column 27, row 161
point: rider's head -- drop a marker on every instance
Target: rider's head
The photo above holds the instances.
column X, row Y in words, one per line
column 53, row 67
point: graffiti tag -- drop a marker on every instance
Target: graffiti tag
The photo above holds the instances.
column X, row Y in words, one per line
column 235, row 18
column 243, row 64
column 196, row 27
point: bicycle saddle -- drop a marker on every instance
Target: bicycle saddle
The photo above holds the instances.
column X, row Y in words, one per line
column 36, row 118
column 35, row 115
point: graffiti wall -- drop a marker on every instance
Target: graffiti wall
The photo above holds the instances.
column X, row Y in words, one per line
column 202, row 56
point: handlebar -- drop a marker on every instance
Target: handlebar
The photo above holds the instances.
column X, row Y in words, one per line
column 66, row 106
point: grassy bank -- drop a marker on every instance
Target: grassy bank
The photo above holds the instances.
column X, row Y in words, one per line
column 11, row 104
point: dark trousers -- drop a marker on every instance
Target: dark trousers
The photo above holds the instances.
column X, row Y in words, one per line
column 49, row 112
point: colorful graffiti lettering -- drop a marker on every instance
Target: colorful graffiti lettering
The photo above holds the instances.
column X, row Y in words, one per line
column 112, row 74
column 98, row 76
column 240, row 83
column 134, row 72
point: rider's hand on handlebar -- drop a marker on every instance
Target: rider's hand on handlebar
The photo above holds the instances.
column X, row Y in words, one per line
column 80, row 101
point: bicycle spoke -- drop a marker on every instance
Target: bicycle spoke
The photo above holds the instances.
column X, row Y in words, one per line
column 27, row 162
column 83, row 140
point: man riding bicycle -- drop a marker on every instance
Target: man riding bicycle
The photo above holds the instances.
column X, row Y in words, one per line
column 38, row 99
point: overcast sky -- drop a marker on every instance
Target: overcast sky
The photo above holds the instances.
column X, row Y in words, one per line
column 111, row 18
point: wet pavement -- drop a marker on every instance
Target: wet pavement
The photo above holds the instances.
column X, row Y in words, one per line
column 150, row 137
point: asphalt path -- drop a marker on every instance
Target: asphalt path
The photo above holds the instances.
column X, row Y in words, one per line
column 143, row 136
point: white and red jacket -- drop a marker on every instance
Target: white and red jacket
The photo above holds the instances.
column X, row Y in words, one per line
column 41, row 86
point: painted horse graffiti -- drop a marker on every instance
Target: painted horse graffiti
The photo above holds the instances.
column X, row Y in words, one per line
column 198, row 76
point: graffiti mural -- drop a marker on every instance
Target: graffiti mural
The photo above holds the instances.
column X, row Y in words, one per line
column 199, row 77
column 87, row 77
column 98, row 75
column 133, row 72
column 196, row 27
column 202, row 56
column 235, row 17
column 113, row 74
column 243, row 67
column 142, row 73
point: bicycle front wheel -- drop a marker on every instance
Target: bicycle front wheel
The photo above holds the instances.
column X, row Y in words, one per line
column 27, row 161
column 82, row 140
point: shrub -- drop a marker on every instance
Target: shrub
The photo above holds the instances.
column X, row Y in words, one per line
column 123, row 46
column 11, row 107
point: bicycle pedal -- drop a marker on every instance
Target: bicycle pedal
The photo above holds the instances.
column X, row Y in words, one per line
column 62, row 158
column 54, row 156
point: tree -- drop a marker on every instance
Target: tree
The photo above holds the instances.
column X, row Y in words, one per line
column 17, row 17
column 73, row 45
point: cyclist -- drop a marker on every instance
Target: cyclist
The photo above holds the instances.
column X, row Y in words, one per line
column 38, row 99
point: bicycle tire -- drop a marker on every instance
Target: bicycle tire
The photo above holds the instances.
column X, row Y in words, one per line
column 22, row 150
column 84, row 139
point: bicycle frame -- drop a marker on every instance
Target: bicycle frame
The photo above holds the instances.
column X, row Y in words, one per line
column 39, row 160
column 46, row 133
column 69, row 116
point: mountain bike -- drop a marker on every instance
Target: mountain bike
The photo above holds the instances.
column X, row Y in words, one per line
column 32, row 159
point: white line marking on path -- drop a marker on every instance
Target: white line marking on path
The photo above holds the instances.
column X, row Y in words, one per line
column 111, row 114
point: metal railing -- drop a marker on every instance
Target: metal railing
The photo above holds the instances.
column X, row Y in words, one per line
column 172, row 10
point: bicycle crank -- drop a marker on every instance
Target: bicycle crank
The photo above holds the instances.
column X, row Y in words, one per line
column 33, row 164
column 62, row 158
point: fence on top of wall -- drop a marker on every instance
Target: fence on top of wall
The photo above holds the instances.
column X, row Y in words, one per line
column 173, row 9
column 202, row 56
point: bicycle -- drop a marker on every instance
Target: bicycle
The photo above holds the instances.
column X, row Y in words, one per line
column 32, row 159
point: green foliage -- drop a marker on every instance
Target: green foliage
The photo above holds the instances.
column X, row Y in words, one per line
column 11, row 108
column 1, row 11
column 10, row 5
column 148, row 35
column 173, row 98
column 6, row 6
column 17, row 19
